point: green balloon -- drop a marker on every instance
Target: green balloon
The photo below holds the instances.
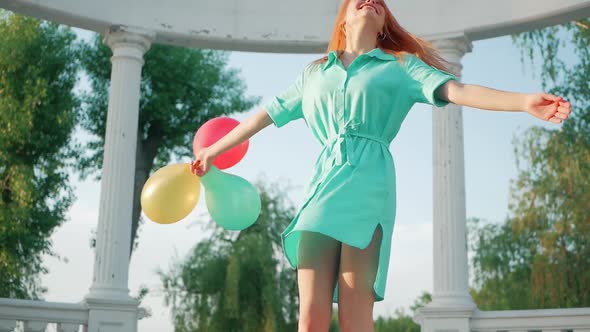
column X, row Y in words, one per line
column 233, row 202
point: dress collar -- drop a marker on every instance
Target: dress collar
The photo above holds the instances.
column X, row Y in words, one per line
column 376, row 53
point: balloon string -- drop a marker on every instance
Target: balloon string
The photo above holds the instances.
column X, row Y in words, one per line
column 195, row 165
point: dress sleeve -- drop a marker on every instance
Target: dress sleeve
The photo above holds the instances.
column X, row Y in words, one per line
column 425, row 79
column 287, row 106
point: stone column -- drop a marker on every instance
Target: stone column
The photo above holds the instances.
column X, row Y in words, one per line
column 111, row 307
column 451, row 304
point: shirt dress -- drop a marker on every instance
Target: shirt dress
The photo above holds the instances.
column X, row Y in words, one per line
column 354, row 114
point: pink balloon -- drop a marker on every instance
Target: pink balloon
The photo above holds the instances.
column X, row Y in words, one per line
column 211, row 132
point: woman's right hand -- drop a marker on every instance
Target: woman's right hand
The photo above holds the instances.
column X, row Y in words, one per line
column 201, row 165
column 245, row 130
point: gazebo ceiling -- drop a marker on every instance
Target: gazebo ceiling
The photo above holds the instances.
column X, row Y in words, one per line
column 295, row 26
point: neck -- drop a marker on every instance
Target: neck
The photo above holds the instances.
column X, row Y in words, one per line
column 360, row 40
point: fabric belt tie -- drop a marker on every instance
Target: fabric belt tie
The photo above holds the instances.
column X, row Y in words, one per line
column 340, row 146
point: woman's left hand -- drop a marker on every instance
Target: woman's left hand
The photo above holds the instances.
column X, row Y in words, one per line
column 547, row 107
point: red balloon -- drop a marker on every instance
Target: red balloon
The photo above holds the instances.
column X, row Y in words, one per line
column 213, row 130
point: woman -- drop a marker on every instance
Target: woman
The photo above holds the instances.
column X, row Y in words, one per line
column 354, row 101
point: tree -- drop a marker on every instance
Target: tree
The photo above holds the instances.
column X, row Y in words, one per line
column 540, row 256
column 38, row 112
column 400, row 322
column 502, row 264
column 181, row 89
column 237, row 281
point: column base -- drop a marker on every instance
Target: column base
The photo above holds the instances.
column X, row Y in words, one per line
column 109, row 293
column 444, row 319
column 112, row 315
column 451, row 300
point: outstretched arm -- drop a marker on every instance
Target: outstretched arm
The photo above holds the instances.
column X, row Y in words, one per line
column 240, row 133
column 541, row 105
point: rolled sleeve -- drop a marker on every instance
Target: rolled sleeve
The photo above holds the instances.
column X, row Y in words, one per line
column 426, row 79
column 287, row 106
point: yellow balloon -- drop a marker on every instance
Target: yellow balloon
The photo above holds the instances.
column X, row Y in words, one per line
column 170, row 194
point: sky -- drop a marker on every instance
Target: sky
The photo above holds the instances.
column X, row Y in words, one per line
column 285, row 156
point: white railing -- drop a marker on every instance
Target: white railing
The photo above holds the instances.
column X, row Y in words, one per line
column 544, row 320
column 41, row 316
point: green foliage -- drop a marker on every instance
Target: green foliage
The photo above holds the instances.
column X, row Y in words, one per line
column 181, row 89
column 502, row 266
column 334, row 325
column 400, row 322
column 540, row 256
column 421, row 301
column 38, row 112
column 237, row 281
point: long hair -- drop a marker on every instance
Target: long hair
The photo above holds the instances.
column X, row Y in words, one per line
column 396, row 42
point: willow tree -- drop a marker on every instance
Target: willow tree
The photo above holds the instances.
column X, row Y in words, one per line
column 237, row 281
column 38, row 113
column 181, row 88
column 540, row 256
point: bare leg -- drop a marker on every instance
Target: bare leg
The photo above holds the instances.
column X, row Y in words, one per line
column 316, row 276
column 358, row 269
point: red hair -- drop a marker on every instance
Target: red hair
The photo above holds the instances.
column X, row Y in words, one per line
column 396, row 42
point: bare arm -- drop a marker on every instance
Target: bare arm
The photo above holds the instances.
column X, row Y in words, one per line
column 240, row 133
column 482, row 97
column 542, row 105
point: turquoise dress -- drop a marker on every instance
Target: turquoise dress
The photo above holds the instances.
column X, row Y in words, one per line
column 354, row 114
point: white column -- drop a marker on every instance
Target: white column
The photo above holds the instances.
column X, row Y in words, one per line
column 451, row 304
column 451, row 284
column 111, row 307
